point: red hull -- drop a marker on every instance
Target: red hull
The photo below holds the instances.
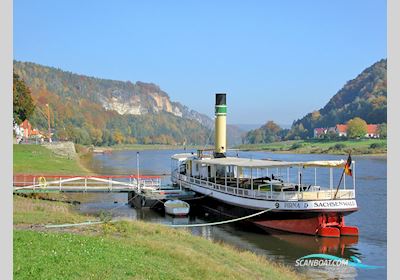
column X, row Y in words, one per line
column 325, row 224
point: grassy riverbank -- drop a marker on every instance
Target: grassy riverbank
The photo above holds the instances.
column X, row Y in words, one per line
column 358, row 147
column 36, row 159
column 122, row 250
column 363, row 146
column 114, row 250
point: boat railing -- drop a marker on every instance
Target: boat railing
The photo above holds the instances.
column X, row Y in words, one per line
column 312, row 193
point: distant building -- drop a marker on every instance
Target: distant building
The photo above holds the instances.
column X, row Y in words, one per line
column 318, row 132
column 28, row 131
column 372, row 131
column 341, row 131
column 26, row 128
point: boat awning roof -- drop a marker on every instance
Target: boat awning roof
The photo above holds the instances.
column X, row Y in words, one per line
column 182, row 156
column 261, row 163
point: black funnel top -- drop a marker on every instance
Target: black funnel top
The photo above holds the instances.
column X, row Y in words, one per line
column 220, row 99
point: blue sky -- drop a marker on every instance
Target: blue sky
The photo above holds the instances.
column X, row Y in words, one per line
column 277, row 60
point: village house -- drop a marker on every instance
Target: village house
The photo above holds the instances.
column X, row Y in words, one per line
column 372, row 131
column 318, row 132
column 341, row 131
column 28, row 131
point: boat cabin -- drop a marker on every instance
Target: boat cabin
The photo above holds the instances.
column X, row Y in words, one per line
column 264, row 179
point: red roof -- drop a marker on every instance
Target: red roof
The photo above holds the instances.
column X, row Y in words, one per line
column 372, row 129
column 35, row 132
column 341, row 128
column 25, row 125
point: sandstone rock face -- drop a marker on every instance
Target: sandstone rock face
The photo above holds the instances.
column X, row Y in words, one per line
column 124, row 97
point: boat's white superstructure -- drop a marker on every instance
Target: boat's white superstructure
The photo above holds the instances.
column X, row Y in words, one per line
column 292, row 190
column 247, row 183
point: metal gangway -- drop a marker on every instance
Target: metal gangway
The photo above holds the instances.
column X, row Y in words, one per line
column 26, row 183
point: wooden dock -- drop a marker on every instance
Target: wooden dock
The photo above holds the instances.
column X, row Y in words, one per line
column 142, row 191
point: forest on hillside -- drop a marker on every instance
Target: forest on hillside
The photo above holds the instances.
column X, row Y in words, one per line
column 78, row 113
column 364, row 97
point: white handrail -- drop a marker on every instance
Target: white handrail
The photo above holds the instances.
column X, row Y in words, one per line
column 281, row 195
column 89, row 182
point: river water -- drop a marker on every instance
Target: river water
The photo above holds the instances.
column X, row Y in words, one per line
column 369, row 247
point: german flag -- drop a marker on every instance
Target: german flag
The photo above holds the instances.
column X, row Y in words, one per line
column 347, row 169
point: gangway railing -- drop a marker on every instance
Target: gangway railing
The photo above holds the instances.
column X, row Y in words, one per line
column 97, row 183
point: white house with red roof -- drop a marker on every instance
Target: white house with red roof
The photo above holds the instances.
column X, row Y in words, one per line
column 341, row 130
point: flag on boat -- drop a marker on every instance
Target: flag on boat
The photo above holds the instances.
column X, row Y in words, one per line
column 347, row 169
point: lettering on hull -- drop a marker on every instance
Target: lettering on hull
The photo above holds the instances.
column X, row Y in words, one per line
column 340, row 204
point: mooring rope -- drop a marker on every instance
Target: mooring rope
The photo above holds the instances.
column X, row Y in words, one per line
column 174, row 226
column 222, row 222
column 88, row 223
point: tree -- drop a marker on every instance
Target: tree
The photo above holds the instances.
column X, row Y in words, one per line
column 315, row 116
column 23, row 106
column 383, row 130
column 96, row 135
column 356, row 128
column 267, row 133
column 118, row 137
column 297, row 132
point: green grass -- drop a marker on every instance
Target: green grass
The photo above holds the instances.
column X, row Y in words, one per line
column 35, row 159
column 363, row 146
column 157, row 255
column 28, row 211
column 123, row 250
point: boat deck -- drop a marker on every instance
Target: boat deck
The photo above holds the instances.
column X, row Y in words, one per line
column 275, row 190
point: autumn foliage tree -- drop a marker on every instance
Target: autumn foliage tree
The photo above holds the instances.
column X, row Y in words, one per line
column 118, row 137
column 356, row 128
column 267, row 133
column 78, row 113
column 23, row 106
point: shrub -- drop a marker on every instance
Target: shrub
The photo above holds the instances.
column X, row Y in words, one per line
column 295, row 146
column 339, row 146
column 377, row 145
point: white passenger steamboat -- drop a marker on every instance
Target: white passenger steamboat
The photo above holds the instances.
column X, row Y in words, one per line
column 238, row 187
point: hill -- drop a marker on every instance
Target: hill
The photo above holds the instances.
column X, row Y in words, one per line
column 97, row 111
column 364, row 97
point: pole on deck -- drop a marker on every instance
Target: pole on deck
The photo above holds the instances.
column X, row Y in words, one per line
column 354, row 176
column 137, row 171
column 315, row 176
column 341, row 177
column 251, row 178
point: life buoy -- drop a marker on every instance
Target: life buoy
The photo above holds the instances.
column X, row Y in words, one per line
column 42, row 182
